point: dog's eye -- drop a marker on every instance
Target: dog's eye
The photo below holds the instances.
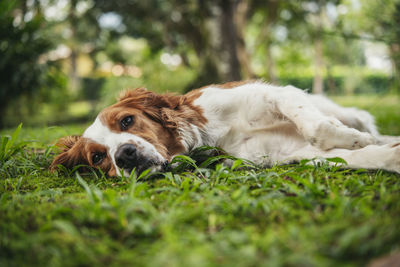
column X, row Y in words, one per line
column 126, row 122
column 97, row 158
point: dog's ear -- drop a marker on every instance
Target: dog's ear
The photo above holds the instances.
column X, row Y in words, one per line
column 66, row 143
column 67, row 157
column 168, row 118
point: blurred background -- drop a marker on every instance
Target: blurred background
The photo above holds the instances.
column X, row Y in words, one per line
column 62, row 61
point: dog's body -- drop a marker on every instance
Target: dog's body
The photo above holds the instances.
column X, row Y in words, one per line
column 252, row 120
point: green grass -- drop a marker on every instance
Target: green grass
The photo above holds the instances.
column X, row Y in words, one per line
column 297, row 215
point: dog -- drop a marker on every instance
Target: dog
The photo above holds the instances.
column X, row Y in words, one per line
column 253, row 120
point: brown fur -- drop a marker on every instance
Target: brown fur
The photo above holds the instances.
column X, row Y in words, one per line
column 228, row 85
column 156, row 118
column 234, row 84
column 77, row 150
column 71, row 152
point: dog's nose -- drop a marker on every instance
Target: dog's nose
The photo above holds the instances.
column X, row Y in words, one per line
column 125, row 157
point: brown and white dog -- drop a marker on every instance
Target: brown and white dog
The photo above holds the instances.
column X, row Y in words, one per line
column 252, row 120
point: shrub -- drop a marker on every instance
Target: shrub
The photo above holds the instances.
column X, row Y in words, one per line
column 339, row 84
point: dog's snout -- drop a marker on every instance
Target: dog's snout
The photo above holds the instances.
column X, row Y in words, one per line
column 125, row 156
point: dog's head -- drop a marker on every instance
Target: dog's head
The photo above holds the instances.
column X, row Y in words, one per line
column 139, row 131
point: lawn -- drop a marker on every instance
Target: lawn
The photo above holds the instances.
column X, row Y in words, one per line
column 202, row 215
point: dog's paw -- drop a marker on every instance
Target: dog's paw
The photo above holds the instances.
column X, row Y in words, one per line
column 331, row 134
column 393, row 162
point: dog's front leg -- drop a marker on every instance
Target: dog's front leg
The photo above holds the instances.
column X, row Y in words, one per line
column 320, row 130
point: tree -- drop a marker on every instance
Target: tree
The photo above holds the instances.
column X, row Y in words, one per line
column 269, row 10
column 212, row 29
column 23, row 42
column 381, row 19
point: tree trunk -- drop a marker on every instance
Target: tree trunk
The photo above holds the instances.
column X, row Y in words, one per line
column 265, row 39
column 395, row 58
column 73, row 73
column 207, row 46
column 229, row 40
column 270, row 63
column 331, row 86
column 240, row 20
column 318, row 83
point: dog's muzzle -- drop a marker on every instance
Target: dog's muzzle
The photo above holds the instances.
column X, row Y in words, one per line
column 128, row 157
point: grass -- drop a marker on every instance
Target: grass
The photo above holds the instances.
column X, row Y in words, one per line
column 296, row 215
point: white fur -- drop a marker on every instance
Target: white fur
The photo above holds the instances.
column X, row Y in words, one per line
column 269, row 124
column 191, row 136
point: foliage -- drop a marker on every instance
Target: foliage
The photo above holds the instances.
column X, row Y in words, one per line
column 182, row 26
column 379, row 21
column 9, row 147
column 200, row 214
column 156, row 77
column 22, row 43
column 339, row 84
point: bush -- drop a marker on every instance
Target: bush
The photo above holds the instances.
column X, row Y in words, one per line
column 341, row 84
column 91, row 88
